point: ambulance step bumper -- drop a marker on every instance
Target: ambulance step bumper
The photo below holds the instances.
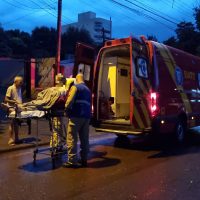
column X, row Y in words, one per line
column 124, row 132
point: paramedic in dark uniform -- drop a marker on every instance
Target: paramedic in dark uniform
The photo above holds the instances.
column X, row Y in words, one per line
column 78, row 108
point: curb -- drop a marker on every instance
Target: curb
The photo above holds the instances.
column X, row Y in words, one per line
column 22, row 146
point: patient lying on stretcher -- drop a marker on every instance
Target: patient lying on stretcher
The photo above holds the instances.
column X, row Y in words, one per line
column 53, row 98
column 45, row 99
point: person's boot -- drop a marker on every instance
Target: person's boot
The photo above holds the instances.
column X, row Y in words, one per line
column 71, row 165
column 11, row 142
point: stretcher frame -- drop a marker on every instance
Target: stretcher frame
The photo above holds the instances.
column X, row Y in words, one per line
column 49, row 114
column 54, row 151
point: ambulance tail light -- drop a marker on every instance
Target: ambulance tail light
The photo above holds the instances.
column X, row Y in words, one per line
column 154, row 108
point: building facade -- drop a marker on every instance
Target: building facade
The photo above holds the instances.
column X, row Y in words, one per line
column 100, row 29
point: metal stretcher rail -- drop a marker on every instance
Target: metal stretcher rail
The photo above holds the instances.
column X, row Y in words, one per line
column 54, row 151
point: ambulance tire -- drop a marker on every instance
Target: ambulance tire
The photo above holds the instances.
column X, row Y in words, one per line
column 122, row 141
column 180, row 132
column 121, row 135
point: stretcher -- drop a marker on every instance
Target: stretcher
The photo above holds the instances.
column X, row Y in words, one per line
column 55, row 150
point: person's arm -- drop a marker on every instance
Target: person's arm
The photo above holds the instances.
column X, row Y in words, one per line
column 8, row 97
column 71, row 97
column 9, row 100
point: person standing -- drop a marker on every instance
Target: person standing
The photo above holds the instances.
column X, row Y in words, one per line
column 13, row 98
column 58, row 138
column 78, row 109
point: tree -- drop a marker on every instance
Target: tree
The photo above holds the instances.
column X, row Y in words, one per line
column 152, row 37
column 197, row 21
column 43, row 42
column 16, row 43
column 187, row 36
column 172, row 41
column 5, row 50
column 19, row 48
column 184, row 30
column 197, row 17
column 71, row 37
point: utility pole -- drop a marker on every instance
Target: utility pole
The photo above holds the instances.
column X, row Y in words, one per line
column 57, row 67
column 110, row 28
column 172, row 3
column 103, row 35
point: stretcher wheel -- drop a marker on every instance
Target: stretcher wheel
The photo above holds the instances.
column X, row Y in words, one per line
column 180, row 131
column 53, row 160
column 34, row 156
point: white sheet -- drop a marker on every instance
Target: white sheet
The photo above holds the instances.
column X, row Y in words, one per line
column 27, row 114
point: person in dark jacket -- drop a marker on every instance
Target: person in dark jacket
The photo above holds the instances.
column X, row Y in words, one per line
column 78, row 109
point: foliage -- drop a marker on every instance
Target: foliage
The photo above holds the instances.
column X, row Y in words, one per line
column 172, row 41
column 72, row 36
column 187, row 35
column 42, row 42
column 197, row 17
column 152, row 37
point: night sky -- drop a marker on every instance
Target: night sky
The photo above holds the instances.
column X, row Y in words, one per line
column 129, row 17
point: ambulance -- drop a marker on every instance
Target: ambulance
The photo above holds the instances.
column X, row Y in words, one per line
column 144, row 87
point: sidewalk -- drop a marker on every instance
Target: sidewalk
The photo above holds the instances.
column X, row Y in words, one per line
column 26, row 141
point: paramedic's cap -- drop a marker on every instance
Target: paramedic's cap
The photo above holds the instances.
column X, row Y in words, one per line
column 18, row 78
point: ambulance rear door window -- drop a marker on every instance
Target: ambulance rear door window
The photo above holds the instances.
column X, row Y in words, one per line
column 123, row 72
column 142, row 68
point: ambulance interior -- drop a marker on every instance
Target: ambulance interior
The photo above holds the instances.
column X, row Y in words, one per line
column 114, row 85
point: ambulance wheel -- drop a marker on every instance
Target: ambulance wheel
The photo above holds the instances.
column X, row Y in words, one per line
column 122, row 141
column 121, row 136
column 180, row 131
column 34, row 156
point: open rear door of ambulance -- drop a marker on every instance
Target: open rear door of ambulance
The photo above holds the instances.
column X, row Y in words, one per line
column 113, row 86
column 84, row 62
column 122, row 88
column 144, row 100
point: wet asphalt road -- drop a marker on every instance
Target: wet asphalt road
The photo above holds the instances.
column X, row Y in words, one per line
column 135, row 170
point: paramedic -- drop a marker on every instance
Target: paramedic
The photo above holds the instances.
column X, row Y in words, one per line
column 13, row 98
column 58, row 137
column 78, row 109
